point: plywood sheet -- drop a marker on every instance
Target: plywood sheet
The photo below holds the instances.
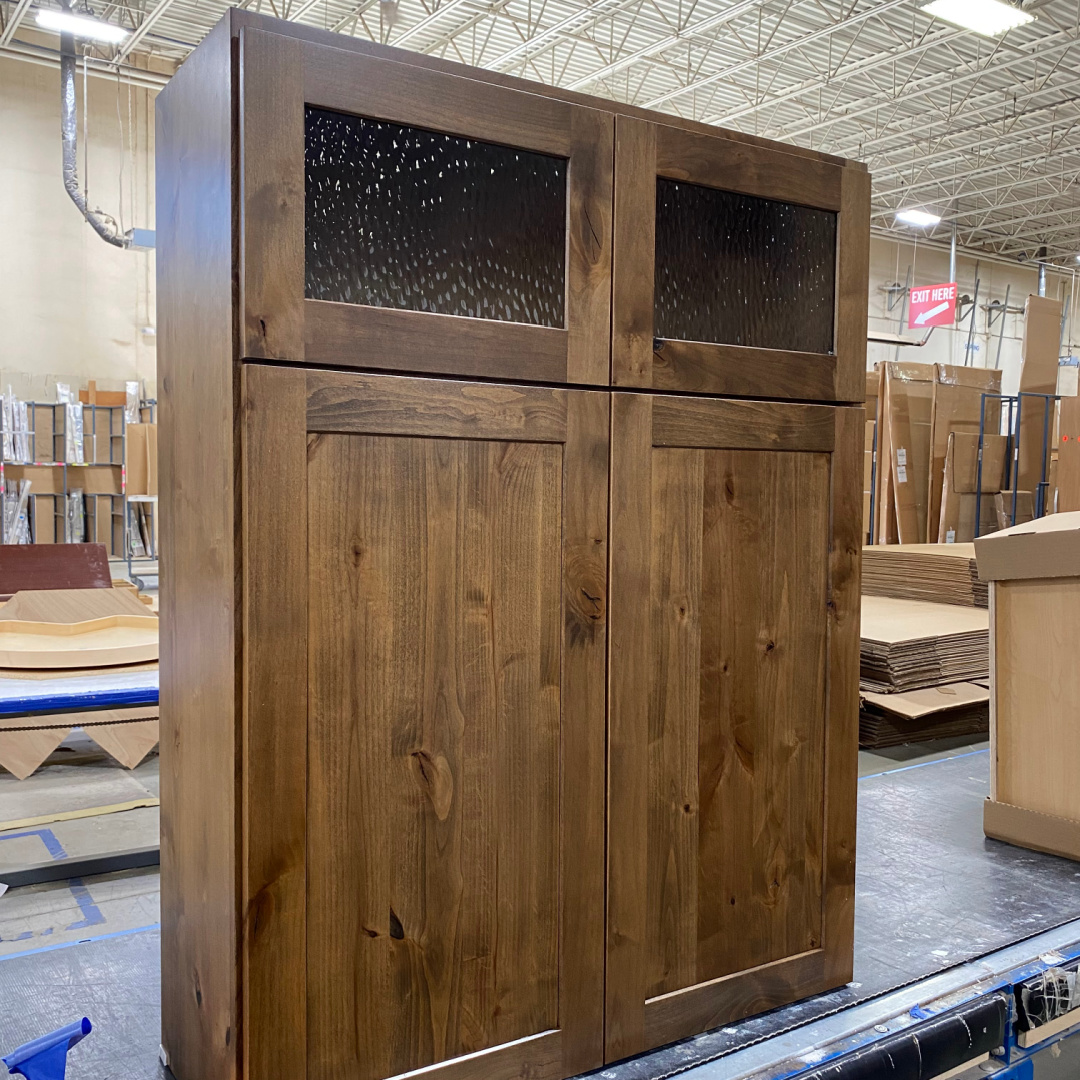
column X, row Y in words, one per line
column 1038, row 375
column 71, row 605
column 114, row 639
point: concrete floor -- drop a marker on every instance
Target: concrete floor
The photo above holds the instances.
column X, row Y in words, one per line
column 60, row 913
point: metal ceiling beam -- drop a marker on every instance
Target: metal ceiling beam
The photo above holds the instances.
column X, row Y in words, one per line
column 578, row 20
column 938, row 82
column 656, row 47
column 132, row 41
column 775, row 53
column 440, row 12
column 16, row 17
column 841, row 75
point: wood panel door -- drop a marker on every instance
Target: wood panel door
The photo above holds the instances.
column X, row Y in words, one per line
column 739, row 270
column 734, row 660
column 401, row 218
column 424, row 770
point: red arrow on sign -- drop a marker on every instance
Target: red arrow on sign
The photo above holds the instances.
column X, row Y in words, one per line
column 932, row 305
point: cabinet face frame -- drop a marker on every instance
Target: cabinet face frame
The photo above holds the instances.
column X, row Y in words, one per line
column 278, row 76
column 281, row 409
column 640, row 423
column 645, row 151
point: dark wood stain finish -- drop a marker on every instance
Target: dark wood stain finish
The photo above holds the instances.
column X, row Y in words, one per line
column 726, row 749
column 279, row 75
column 199, row 696
column 645, row 150
column 421, row 811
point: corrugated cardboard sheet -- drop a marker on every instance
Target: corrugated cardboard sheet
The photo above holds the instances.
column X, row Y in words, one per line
column 909, row 390
column 1030, row 829
column 957, row 404
column 1045, row 548
column 1038, row 375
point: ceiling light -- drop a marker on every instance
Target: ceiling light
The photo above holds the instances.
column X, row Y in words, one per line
column 917, row 217
column 987, row 17
column 81, row 26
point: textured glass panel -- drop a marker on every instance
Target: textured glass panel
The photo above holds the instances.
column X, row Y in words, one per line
column 405, row 218
column 739, row 270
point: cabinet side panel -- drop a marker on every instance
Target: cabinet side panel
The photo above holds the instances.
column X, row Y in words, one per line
column 198, row 565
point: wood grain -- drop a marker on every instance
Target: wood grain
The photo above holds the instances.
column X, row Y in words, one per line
column 723, row 1001
column 355, row 336
column 128, row 742
column 589, row 246
column 630, row 658
column 842, row 694
column 740, row 371
column 72, row 605
column 274, row 718
column 678, row 497
column 742, row 425
column 199, row 730
column 419, row 96
column 732, row 670
column 852, row 293
column 767, row 172
column 380, row 405
column 634, row 255
column 762, row 701
column 271, row 188
column 457, row 613
column 53, row 566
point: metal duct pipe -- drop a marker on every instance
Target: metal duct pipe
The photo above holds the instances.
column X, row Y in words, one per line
column 1041, row 254
column 952, row 255
column 103, row 224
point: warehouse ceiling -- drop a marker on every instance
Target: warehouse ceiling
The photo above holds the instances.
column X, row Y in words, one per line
column 983, row 131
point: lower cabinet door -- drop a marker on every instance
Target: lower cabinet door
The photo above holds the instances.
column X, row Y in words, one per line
column 734, row 652
column 423, row 786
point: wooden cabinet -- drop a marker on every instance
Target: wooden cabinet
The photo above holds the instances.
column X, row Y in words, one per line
column 733, row 710
column 426, row 804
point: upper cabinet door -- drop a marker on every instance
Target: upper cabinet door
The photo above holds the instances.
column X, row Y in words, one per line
column 739, row 269
column 398, row 218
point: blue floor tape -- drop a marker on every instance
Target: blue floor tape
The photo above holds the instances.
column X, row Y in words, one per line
column 81, row 941
column 923, row 764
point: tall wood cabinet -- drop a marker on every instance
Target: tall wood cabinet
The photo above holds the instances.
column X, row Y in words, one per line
column 511, row 496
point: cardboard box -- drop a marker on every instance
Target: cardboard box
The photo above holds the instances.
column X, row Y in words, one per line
column 1034, row 575
column 142, row 459
column 1003, row 505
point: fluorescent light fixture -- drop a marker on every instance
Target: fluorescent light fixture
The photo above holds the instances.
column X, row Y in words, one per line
column 917, row 217
column 81, row 26
column 987, row 17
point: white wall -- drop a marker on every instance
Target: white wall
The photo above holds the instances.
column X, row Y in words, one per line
column 72, row 307
column 889, row 263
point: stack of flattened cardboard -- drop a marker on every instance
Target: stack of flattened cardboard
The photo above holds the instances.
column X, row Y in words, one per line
column 907, row 644
column 938, row 573
column 919, row 663
column 936, row 712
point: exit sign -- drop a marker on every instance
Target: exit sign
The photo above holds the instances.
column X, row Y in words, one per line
column 932, row 305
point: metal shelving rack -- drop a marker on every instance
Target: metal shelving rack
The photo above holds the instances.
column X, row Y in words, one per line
column 69, row 477
column 141, row 569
